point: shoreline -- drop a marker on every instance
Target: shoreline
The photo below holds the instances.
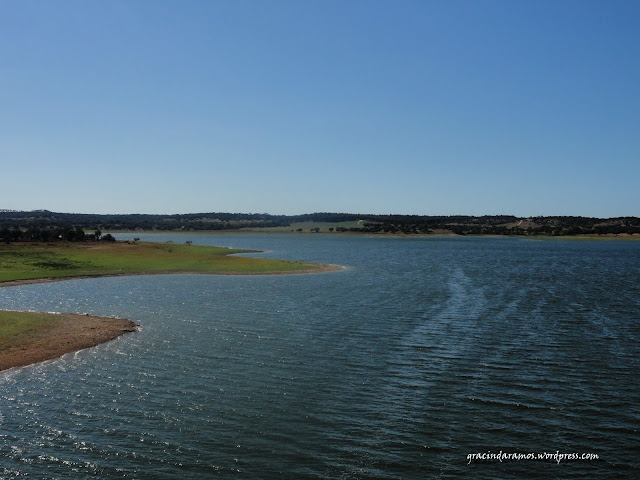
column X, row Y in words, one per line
column 68, row 333
column 71, row 332
column 31, row 281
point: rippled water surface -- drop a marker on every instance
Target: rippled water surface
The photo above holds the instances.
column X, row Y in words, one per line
column 420, row 352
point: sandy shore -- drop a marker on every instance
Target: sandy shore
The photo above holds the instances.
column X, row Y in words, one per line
column 67, row 333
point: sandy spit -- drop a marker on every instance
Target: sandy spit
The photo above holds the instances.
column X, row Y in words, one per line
column 71, row 332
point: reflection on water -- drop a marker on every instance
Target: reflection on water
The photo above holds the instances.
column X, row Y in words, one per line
column 420, row 352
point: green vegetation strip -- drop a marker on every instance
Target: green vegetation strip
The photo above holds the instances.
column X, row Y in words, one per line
column 24, row 262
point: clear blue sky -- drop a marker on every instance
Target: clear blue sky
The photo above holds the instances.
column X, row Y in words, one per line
column 286, row 107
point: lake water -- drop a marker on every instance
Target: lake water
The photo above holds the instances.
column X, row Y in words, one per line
column 419, row 353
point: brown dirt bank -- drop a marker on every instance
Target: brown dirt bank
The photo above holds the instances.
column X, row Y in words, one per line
column 67, row 333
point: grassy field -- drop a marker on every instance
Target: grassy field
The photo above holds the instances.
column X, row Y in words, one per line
column 37, row 261
column 15, row 326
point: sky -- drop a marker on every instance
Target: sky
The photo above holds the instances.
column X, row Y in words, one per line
column 455, row 107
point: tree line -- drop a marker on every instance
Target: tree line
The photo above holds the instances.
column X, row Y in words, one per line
column 52, row 234
column 50, row 225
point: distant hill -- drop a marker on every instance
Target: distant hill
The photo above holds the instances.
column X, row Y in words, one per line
column 329, row 222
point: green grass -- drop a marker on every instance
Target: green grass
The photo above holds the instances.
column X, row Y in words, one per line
column 15, row 326
column 35, row 261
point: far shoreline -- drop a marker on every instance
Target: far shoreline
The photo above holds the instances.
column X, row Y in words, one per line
column 613, row 236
